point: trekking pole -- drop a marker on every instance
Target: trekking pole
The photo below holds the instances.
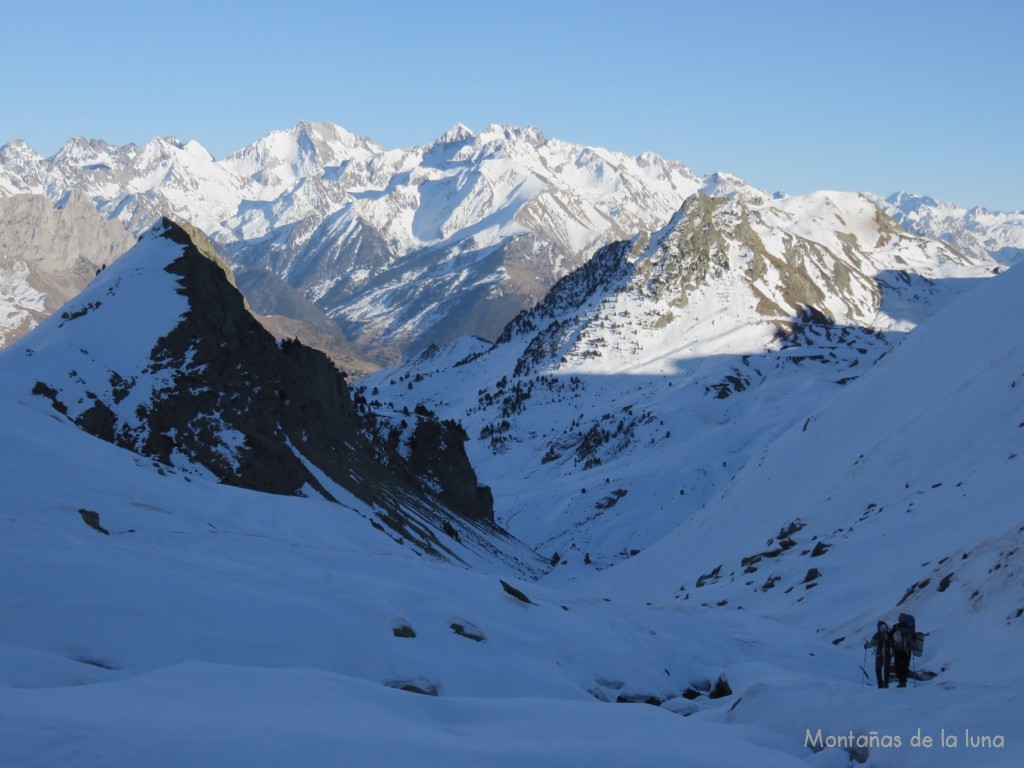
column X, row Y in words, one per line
column 864, row 668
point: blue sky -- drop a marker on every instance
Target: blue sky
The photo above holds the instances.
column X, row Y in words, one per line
column 925, row 97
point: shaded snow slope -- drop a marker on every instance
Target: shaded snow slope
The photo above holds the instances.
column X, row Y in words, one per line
column 214, row 624
column 217, row 624
column 913, row 466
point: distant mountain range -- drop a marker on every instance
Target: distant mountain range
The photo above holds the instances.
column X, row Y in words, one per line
column 383, row 252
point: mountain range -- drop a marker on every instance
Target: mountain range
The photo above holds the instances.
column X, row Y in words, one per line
column 373, row 254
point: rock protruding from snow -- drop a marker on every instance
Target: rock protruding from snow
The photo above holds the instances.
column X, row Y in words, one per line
column 161, row 356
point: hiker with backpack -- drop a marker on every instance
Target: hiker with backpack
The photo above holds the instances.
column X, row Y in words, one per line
column 881, row 641
column 903, row 636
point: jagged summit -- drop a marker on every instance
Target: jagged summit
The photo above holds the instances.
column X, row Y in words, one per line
column 512, row 133
column 160, row 356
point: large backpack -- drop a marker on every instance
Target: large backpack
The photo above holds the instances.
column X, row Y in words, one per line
column 916, row 638
column 902, row 638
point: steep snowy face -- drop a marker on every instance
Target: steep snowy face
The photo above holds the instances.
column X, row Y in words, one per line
column 159, row 355
column 974, row 231
column 679, row 356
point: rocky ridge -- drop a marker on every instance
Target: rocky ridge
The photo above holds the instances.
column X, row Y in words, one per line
column 216, row 395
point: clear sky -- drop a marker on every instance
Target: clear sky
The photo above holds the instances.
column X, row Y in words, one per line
column 925, row 97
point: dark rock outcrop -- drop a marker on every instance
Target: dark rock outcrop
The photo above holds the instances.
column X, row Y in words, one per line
column 277, row 417
column 437, row 452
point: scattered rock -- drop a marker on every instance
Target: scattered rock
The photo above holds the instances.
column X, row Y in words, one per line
column 464, row 628
column 403, row 629
column 49, row 392
column 789, row 529
column 92, row 519
column 712, row 576
column 449, row 530
column 517, row 594
column 721, row 689
column 418, row 685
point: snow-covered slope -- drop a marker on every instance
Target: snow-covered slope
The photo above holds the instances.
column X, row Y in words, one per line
column 153, row 614
column 215, row 625
column 908, row 478
column 678, row 356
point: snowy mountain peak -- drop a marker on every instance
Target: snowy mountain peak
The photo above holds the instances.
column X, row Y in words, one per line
column 284, row 158
column 457, row 134
column 408, row 247
column 721, row 184
column 81, row 151
column 194, row 148
column 908, row 202
column 16, row 147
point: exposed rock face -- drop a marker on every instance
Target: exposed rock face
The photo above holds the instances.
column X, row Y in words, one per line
column 437, row 453
column 48, row 254
column 219, row 392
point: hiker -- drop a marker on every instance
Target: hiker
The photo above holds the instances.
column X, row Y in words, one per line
column 882, row 643
column 902, row 645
